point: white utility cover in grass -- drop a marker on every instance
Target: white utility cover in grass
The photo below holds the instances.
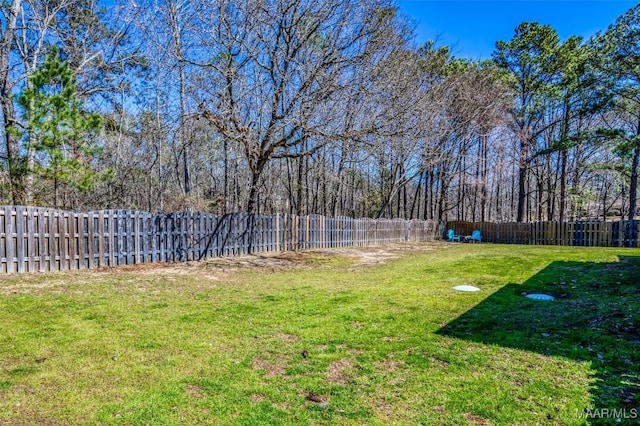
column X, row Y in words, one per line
column 537, row 296
column 466, row 288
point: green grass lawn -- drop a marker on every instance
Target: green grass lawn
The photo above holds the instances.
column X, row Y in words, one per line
column 332, row 342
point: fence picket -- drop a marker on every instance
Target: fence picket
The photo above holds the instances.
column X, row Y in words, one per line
column 3, row 241
column 53, row 222
column 101, row 240
column 20, row 252
column 63, row 222
column 32, row 234
column 81, row 245
column 8, row 218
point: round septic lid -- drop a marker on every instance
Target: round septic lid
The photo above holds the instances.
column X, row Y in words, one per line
column 466, row 288
column 538, row 296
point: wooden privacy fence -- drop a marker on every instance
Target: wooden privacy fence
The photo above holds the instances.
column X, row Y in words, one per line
column 592, row 233
column 38, row 239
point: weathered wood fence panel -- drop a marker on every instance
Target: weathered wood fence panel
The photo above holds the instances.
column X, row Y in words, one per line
column 39, row 239
column 588, row 233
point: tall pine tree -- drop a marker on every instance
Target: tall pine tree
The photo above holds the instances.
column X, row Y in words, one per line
column 60, row 130
column 619, row 54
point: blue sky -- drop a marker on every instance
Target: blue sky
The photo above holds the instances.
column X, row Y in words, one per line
column 472, row 27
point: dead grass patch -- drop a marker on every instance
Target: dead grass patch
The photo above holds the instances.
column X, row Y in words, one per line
column 256, row 398
column 440, row 363
column 382, row 408
column 271, row 369
column 28, row 417
column 476, row 420
column 287, row 337
column 397, row 380
column 388, row 365
column 194, row 391
column 215, row 269
column 337, row 372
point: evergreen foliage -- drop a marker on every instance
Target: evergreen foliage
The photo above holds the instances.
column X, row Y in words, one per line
column 60, row 130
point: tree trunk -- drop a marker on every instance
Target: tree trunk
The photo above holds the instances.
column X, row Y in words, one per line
column 177, row 39
column 633, row 182
column 483, row 189
column 31, row 162
column 299, row 187
column 522, row 177
column 498, row 201
column 252, row 205
column 415, row 203
column 14, row 162
column 522, row 181
column 563, row 186
column 427, row 212
column 539, row 198
column 442, row 198
column 6, row 100
column 476, row 189
column 462, row 190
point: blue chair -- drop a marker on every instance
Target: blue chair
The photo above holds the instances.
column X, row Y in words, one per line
column 475, row 236
column 451, row 236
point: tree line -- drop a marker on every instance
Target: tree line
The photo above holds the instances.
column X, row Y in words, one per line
column 311, row 107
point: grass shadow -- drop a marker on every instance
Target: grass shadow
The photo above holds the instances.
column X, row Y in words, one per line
column 595, row 318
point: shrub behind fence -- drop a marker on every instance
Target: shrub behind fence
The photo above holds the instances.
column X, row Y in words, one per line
column 38, row 239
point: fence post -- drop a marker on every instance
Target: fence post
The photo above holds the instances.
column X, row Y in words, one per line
column 81, row 246
column 65, row 234
column 42, row 229
column 31, row 233
column 74, row 246
column 91, row 240
column 101, row 238
column 9, row 213
column 20, row 252
column 276, row 231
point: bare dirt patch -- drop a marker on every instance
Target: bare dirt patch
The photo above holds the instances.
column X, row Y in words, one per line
column 391, row 369
column 271, row 369
column 307, row 259
column 440, row 363
column 291, row 260
column 368, row 256
column 476, row 420
column 256, row 397
column 28, row 417
column 194, row 391
column 382, row 408
column 216, row 269
column 337, row 372
column 287, row 337
column 388, row 365
column 397, row 380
